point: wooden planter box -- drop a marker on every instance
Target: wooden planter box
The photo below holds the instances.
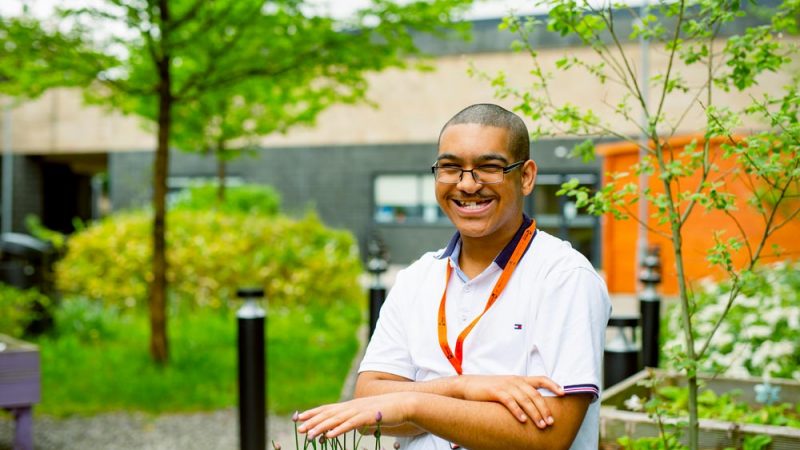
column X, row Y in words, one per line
column 617, row 421
column 20, row 386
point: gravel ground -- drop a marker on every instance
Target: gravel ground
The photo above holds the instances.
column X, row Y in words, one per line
column 121, row 431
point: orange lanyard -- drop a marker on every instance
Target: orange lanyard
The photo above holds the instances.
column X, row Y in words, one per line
column 457, row 358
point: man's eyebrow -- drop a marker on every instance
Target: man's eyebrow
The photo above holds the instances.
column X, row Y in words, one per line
column 480, row 159
column 492, row 157
column 448, row 156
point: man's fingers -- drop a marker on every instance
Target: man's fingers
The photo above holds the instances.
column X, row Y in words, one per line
column 526, row 397
column 511, row 404
column 536, row 401
column 547, row 383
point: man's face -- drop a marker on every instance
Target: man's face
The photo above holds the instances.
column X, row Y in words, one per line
column 482, row 210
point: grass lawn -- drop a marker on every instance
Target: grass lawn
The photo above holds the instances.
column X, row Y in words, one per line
column 97, row 360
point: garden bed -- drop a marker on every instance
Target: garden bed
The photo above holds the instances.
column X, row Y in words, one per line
column 616, row 420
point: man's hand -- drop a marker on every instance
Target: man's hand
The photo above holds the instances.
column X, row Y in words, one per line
column 339, row 418
column 517, row 393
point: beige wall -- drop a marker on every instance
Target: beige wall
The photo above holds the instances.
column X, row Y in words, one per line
column 59, row 122
column 412, row 106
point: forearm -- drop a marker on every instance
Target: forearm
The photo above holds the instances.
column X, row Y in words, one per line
column 489, row 425
column 375, row 383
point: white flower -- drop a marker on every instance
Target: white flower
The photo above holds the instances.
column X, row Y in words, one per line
column 761, row 353
column 704, row 328
column 793, row 317
column 758, row 331
column 749, row 302
column 721, row 339
column 634, row 403
column 773, row 315
column 781, row 348
column 737, row 371
column 772, row 367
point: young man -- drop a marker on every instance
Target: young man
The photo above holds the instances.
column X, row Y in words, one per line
column 496, row 341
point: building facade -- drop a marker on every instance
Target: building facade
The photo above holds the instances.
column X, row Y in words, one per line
column 363, row 168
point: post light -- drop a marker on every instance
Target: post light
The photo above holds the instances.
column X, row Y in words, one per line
column 252, row 374
column 376, row 265
column 650, row 306
column 621, row 357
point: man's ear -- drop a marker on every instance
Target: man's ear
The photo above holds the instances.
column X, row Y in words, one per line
column 529, row 170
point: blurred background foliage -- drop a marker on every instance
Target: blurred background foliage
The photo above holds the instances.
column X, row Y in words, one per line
column 758, row 338
column 214, row 250
column 17, row 311
column 94, row 360
column 246, row 198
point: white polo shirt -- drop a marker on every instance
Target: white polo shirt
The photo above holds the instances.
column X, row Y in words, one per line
column 550, row 320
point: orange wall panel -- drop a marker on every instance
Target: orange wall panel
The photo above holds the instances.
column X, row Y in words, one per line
column 620, row 236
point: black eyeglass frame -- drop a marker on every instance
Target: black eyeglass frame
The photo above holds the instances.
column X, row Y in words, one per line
column 506, row 169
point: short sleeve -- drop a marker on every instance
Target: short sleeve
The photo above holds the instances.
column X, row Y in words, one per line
column 388, row 349
column 570, row 329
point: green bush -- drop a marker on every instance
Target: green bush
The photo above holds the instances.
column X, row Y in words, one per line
column 18, row 310
column 249, row 198
column 210, row 254
column 760, row 334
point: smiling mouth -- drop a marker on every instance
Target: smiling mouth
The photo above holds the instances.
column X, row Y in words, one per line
column 472, row 205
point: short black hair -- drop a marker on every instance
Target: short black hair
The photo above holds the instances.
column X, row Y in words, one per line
column 491, row 115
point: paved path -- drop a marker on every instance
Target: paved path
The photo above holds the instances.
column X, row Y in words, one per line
column 216, row 430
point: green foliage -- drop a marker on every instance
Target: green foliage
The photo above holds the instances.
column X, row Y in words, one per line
column 669, row 442
column 693, row 177
column 39, row 231
column 247, row 199
column 727, row 407
column 30, row 52
column 94, row 360
column 760, row 332
column 18, row 309
column 211, row 254
column 228, row 69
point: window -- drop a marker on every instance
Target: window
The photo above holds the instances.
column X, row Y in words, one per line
column 559, row 216
column 406, row 199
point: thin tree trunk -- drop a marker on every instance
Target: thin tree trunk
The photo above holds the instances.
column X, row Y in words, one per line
column 677, row 243
column 221, row 172
column 159, row 349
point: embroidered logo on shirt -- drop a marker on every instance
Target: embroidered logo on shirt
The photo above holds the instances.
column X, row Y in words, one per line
column 517, row 326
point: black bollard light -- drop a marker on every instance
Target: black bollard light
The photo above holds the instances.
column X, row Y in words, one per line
column 376, row 265
column 621, row 357
column 252, row 374
column 650, row 306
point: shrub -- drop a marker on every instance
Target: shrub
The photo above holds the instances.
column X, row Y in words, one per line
column 249, row 198
column 760, row 334
column 19, row 309
column 211, row 254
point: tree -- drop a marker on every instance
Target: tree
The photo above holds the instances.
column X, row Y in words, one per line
column 226, row 122
column 693, row 34
column 155, row 58
column 29, row 52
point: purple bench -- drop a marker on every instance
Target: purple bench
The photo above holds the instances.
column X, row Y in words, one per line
column 20, row 386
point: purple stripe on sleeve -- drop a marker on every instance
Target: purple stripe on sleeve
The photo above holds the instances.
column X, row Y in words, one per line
column 582, row 389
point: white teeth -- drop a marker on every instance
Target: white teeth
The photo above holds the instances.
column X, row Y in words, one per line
column 472, row 205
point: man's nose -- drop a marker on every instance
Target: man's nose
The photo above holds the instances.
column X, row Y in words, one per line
column 468, row 183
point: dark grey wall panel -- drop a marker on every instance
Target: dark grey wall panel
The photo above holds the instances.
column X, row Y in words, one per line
column 336, row 181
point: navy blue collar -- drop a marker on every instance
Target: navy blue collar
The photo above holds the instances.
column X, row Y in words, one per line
column 502, row 258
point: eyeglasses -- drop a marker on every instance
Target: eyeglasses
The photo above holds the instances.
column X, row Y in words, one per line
column 488, row 174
